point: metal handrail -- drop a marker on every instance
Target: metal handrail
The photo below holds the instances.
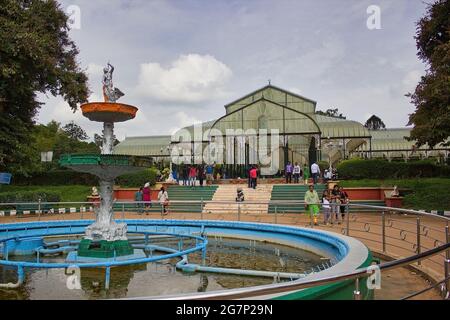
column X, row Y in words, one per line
column 434, row 286
column 305, row 283
column 273, row 202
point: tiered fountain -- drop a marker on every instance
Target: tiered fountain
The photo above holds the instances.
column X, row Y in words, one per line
column 105, row 238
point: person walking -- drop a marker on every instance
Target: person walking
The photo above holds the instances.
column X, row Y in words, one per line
column 192, row 176
column 343, row 196
column 326, row 207
column 175, row 175
column 201, row 174
column 306, row 173
column 163, row 198
column 185, row 175
column 335, row 201
column 209, row 174
column 138, row 197
column 315, row 171
column 249, row 179
column 253, row 177
column 288, row 172
column 312, row 203
column 297, row 170
column 146, row 197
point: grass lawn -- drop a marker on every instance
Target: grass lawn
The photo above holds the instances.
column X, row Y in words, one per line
column 425, row 193
column 74, row 193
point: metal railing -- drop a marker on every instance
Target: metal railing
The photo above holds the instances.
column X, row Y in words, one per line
column 411, row 238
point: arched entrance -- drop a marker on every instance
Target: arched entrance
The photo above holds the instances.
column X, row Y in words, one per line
column 289, row 135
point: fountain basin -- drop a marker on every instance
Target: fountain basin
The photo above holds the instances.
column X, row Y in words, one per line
column 346, row 253
column 108, row 111
column 103, row 160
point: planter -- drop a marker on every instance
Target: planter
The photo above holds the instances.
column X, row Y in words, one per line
column 127, row 194
column 394, row 202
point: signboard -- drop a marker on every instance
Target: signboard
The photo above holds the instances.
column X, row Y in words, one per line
column 5, row 178
column 47, row 156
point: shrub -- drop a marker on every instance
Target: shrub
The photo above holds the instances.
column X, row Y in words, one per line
column 30, row 196
column 137, row 179
column 57, row 178
column 323, row 165
column 383, row 169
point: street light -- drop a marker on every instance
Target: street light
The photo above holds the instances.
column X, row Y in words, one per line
column 168, row 148
column 330, row 146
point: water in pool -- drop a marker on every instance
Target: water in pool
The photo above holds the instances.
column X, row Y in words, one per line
column 161, row 278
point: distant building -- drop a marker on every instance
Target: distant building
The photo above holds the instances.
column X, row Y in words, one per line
column 302, row 136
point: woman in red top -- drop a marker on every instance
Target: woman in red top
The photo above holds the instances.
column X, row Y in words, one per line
column 192, row 176
column 253, row 177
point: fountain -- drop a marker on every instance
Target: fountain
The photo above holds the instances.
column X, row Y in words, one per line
column 105, row 238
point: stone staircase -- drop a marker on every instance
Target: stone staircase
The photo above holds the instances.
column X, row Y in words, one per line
column 261, row 196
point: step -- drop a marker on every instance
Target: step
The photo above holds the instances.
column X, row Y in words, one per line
column 228, row 193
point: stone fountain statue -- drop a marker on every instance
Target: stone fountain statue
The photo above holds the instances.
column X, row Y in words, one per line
column 110, row 94
column 111, row 235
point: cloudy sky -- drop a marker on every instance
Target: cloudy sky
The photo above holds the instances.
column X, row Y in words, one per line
column 181, row 61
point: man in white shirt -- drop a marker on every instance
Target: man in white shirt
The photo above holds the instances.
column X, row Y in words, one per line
column 297, row 171
column 315, row 172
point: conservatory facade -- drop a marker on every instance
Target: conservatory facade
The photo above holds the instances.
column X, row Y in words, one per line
column 268, row 128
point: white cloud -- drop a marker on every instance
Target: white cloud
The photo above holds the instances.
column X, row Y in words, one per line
column 191, row 78
column 183, row 120
column 94, row 70
column 411, row 80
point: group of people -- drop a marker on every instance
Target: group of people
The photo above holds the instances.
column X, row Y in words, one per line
column 295, row 171
column 299, row 174
column 333, row 204
column 144, row 200
column 330, row 175
column 189, row 174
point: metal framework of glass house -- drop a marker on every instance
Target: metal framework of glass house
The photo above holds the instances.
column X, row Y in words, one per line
column 289, row 124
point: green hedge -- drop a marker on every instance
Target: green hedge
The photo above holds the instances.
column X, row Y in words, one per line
column 69, row 177
column 383, row 169
column 137, row 179
column 56, row 178
column 30, row 196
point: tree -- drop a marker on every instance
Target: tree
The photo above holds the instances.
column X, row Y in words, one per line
column 36, row 56
column 49, row 137
column 431, row 118
column 98, row 140
column 75, row 132
column 332, row 113
column 374, row 123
